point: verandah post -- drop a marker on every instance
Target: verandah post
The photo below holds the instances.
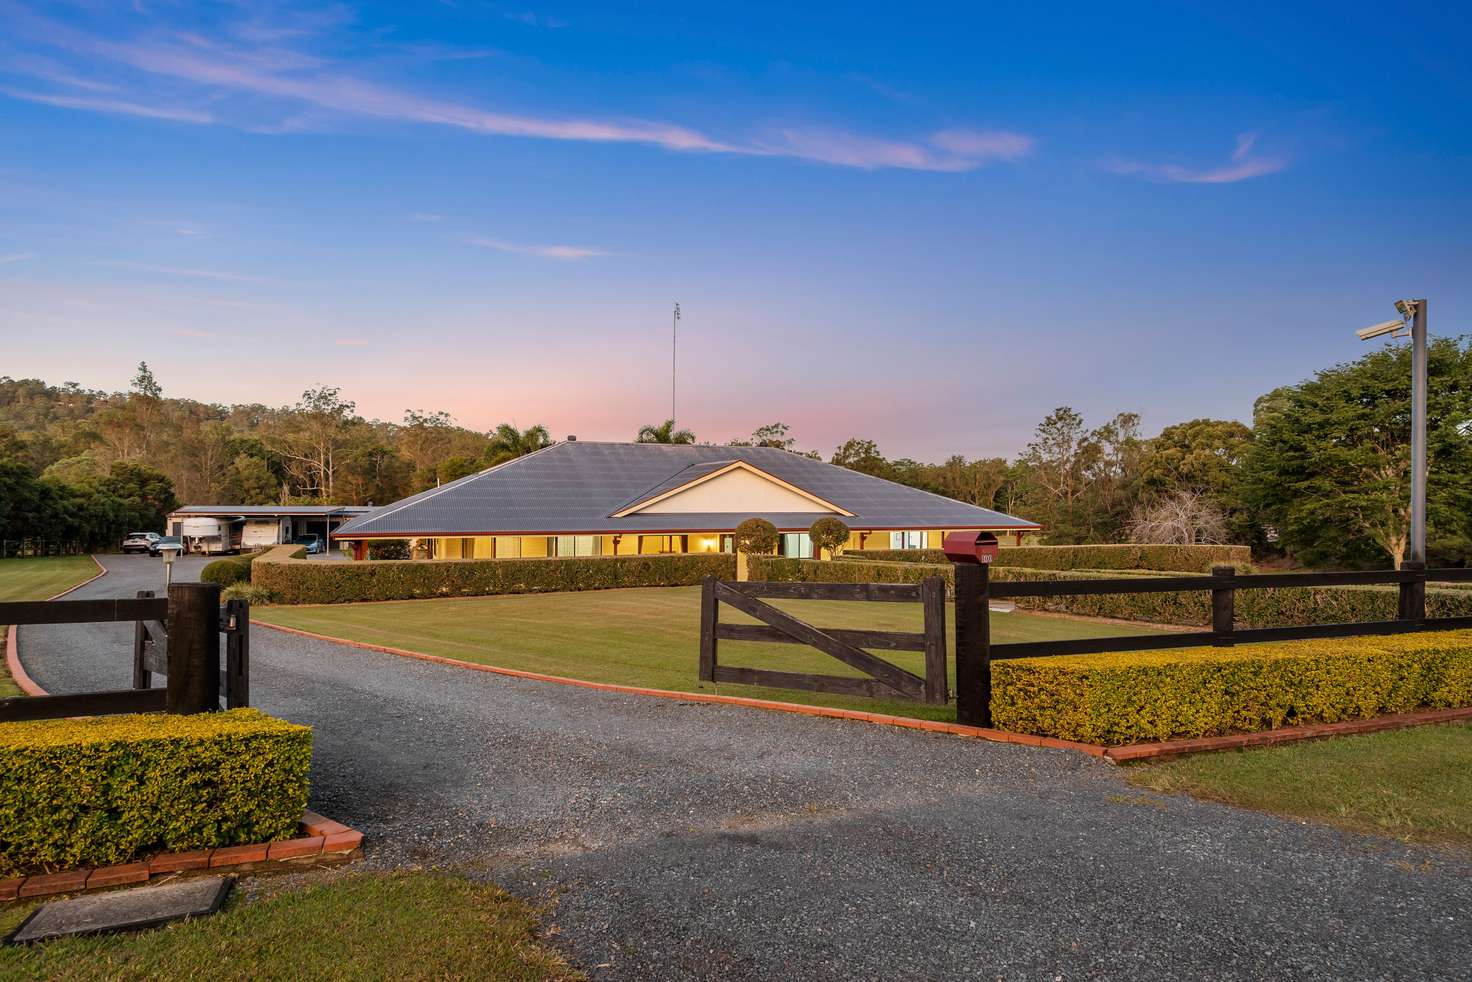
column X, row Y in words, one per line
column 973, row 645
column 709, row 614
column 194, row 648
column 1223, row 606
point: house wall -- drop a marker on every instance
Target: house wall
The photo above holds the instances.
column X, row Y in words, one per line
column 735, row 492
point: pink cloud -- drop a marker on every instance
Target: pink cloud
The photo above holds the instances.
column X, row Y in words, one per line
column 1241, row 166
column 544, row 251
column 115, row 106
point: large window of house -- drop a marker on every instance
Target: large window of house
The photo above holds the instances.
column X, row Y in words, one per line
column 655, row 544
column 797, row 545
column 579, row 545
column 907, row 540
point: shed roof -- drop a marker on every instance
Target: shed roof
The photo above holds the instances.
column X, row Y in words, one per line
column 575, row 487
column 274, row 511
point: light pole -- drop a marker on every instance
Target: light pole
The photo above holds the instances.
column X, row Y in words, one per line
column 1412, row 319
column 674, row 326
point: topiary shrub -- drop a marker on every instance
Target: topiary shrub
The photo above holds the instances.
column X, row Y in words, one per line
column 227, row 571
column 828, row 533
column 388, row 549
column 109, row 789
column 1127, row 697
column 756, row 536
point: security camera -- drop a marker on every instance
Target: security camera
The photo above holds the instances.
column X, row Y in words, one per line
column 1388, row 327
column 1407, row 308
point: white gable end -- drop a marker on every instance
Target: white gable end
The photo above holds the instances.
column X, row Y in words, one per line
column 737, row 491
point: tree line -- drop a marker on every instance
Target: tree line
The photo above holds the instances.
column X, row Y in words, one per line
column 1321, row 475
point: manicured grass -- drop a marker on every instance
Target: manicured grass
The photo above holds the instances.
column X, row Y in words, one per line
column 1413, row 784
column 37, row 579
column 350, row 926
column 646, row 637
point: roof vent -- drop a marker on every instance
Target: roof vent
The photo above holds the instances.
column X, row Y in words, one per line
column 571, row 438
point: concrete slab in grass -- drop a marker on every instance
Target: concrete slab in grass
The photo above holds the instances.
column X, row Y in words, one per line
column 124, row 910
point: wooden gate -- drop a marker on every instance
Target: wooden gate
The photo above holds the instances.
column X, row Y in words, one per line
column 884, row 680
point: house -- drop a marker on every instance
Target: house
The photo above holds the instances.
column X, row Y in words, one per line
column 604, row 499
column 226, row 528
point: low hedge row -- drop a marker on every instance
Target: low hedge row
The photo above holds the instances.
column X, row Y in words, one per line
column 1157, row 695
column 291, row 580
column 1183, row 559
column 1283, row 607
column 108, row 789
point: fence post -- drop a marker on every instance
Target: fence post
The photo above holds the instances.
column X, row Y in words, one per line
column 237, row 654
column 933, row 599
column 142, row 677
column 973, row 645
column 709, row 614
column 1223, row 606
column 194, row 648
column 1413, row 592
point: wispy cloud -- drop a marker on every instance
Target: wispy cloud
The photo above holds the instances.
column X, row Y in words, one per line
column 260, row 67
column 1243, row 165
column 203, row 274
column 543, row 251
column 114, row 106
column 16, row 257
column 426, row 216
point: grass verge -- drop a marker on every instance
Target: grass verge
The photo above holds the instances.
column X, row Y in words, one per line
column 648, row 637
column 1413, row 784
column 350, row 926
column 37, row 579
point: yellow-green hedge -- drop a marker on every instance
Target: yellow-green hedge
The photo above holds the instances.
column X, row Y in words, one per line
column 109, row 789
column 296, row 581
column 1182, row 559
column 1157, row 695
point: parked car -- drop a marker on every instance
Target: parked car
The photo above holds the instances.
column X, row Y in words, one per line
column 312, row 541
column 141, row 542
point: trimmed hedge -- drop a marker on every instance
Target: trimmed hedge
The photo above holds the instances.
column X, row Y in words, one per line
column 1283, row 607
column 231, row 569
column 1157, row 695
column 1181, row 559
column 108, row 789
column 295, row 581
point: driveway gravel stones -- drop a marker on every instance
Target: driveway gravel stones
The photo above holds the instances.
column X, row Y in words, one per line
column 678, row 840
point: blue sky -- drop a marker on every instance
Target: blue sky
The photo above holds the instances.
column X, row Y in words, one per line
column 928, row 227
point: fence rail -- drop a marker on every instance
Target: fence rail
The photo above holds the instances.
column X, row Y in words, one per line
column 974, row 591
column 177, row 636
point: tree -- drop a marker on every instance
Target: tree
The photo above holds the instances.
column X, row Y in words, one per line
column 145, row 384
column 252, row 481
column 755, row 536
column 1182, row 517
column 454, row 468
column 773, row 435
column 664, row 433
column 1203, row 455
column 862, row 456
column 829, row 534
column 1329, row 464
column 314, row 433
column 507, row 442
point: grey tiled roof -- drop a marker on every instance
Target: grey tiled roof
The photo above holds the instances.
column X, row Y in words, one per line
column 575, row 487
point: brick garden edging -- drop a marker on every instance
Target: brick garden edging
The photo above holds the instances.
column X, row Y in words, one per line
column 1114, row 755
column 322, row 840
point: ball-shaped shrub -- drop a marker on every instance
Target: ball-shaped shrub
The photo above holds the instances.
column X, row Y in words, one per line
column 828, row 533
column 756, row 535
column 234, row 569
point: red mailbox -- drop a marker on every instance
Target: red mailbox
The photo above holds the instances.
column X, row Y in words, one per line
column 970, row 547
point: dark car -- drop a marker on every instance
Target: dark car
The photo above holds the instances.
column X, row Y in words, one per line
column 141, row 542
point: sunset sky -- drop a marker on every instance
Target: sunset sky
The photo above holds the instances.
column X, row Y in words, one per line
column 924, row 226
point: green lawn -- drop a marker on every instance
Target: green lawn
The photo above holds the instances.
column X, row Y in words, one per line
column 37, row 579
column 346, row 926
column 646, row 637
column 1413, row 784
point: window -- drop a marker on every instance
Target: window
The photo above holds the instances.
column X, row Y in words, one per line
column 579, row 545
column 653, row 545
column 907, row 540
column 797, row 545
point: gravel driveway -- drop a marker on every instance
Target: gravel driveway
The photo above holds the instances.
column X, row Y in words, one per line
column 676, row 840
